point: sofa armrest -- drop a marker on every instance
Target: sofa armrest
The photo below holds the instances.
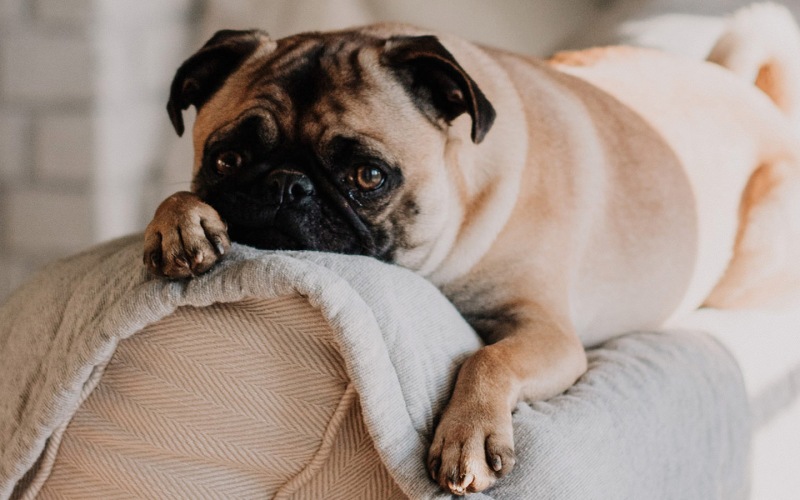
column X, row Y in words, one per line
column 354, row 356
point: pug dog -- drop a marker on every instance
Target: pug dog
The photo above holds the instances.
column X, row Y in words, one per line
column 556, row 203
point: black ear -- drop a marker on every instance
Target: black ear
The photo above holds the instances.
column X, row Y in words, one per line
column 200, row 76
column 436, row 79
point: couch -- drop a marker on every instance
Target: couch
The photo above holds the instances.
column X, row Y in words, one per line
column 312, row 375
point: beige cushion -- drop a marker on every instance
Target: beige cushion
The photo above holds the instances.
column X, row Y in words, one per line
column 236, row 400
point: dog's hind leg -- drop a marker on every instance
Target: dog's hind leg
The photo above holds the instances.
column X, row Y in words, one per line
column 765, row 268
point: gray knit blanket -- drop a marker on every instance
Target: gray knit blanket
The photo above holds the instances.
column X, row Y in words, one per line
column 657, row 415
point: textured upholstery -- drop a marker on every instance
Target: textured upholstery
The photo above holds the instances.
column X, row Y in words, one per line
column 323, row 376
column 233, row 400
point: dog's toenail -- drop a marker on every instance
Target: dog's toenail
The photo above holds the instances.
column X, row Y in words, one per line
column 434, row 468
column 220, row 248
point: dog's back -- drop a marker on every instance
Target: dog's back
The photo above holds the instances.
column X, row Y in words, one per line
column 730, row 138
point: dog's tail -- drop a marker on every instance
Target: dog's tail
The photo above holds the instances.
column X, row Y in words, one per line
column 762, row 44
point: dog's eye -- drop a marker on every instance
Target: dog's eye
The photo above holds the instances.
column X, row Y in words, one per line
column 228, row 162
column 368, row 178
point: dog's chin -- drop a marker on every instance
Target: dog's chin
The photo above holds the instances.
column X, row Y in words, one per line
column 309, row 224
column 290, row 237
column 269, row 228
column 267, row 238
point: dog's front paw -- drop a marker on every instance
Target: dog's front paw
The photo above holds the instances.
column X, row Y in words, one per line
column 185, row 238
column 473, row 446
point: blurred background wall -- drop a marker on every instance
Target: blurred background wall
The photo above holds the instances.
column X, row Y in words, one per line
column 86, row 149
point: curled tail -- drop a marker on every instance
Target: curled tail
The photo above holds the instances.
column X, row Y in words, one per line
column 761, row 43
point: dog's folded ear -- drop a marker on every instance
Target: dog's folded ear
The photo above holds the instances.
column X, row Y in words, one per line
column 200, row 76
column 438, row 82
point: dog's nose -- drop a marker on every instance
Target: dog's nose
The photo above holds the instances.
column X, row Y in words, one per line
column 288, row 186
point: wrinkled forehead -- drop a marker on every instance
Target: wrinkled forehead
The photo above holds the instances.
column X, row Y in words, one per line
column 316, row 67
column 301, row 87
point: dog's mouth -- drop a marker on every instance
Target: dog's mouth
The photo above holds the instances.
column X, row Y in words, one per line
column 277, row 226
column 267, row 238
column 269, row 226
column 245, row 211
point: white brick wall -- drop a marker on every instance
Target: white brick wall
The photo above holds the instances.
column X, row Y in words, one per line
column 47, row 221
column 77, row 147
column 10, row 9
column 45, row 68
column 70, row 12
column 63, row 148
column 14, row 146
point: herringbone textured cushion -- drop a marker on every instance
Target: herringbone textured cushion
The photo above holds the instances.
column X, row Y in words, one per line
column 241, row 400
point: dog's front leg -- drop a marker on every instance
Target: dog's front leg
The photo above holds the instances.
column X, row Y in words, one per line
column 473, row 444
column 185, row 238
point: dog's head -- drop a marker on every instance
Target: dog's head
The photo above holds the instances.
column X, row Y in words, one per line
column 329, row 141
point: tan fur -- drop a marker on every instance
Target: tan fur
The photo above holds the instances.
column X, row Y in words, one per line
column 587, row 57
column 614, row 192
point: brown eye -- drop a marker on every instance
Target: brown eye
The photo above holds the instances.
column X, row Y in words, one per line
column 368, row 178
column 228, row 162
